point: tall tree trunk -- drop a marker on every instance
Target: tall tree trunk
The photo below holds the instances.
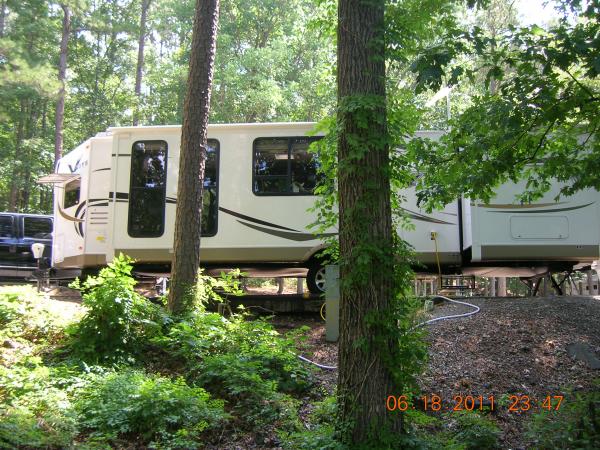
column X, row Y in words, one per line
column 31, row 132
column 62, row 71
column 93, row 124
column 186, row 251
column 140, row 62
column 2, row 17
column 13, row 198
column 367, row 262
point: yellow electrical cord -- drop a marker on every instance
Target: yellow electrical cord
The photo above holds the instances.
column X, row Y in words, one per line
column 437, row 259
column 321, row 312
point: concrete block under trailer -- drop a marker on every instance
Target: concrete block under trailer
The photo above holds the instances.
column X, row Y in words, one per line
column 116, row 192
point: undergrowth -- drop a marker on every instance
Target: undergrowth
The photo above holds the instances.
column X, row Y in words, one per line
column 127, row 374
column 576, row 425
column 118, row 321
column 157, row 411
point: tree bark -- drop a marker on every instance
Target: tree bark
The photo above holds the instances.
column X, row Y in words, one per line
column 186, row 251
column 366, row 243
column 2, row 17
column 140, row 62
column 15, row 179
column 62, row 72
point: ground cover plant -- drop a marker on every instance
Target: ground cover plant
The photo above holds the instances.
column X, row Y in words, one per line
column 577, row 425
column 124, row 373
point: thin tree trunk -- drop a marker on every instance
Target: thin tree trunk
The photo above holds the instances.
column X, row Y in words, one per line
column 140, row 62
column 2, row 17
column 13, row 198
column 94, row 111
column 62, row 72
column 32, row 132
column 366, row 244
column 186, row 251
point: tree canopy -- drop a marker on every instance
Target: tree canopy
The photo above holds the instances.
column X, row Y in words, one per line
column 270, row 66
column 540, row 123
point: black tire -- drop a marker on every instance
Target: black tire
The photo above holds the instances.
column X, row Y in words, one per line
column 315, row 279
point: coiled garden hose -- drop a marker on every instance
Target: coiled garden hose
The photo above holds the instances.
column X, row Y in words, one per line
column 476, row 309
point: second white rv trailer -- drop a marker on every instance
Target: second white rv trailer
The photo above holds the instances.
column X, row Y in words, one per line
column 117, row 192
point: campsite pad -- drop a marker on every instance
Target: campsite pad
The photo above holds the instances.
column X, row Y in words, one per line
column 513, row 346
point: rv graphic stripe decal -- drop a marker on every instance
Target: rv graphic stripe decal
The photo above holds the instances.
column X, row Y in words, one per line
column 67, row 217
column 258, row 221
column 294, row 236
column 100, row 170
column 540, row 211
column 79, row 217
column 119, row 195
column 79, row 208
column 512, row 206
column 423, row 218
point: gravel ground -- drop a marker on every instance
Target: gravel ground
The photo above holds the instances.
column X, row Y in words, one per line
column 513, row 346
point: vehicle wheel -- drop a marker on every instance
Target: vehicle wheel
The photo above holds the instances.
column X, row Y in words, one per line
column 315, row 280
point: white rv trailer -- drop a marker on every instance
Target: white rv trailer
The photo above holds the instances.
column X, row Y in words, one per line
column 117, row 191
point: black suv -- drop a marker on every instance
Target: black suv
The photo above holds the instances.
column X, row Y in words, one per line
column 17, row 233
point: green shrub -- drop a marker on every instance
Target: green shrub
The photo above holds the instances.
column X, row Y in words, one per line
column 29, row 323
column 576, row 425
column 202, row 335
column 26, row 314
column 321, row 437
column 10, row 308
column 321, row 433
column 35, row 406
column 252, row 398
column 245, row 362
column 154, row 409
column 464, row 430
column 51, row 427
column 474, row 431
column 118, row 320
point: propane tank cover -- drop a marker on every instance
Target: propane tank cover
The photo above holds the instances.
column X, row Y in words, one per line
column 38, row 250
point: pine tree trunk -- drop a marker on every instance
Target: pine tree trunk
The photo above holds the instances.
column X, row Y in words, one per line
column 62, row 72
column 140, row 62
column 186, row 251
column 2, row 17
column 365, row 237
column 32, row 131
column 15, row 179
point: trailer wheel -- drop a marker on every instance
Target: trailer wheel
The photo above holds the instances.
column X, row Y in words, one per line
column 315, row 279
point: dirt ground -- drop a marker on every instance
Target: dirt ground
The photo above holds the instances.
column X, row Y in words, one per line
column 513, row 346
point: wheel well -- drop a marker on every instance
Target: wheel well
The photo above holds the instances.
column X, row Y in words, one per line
column 319, row 257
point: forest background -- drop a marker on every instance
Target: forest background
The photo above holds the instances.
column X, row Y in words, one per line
column 125, row 62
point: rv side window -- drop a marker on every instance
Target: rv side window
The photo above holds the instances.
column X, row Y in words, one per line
column 37, row 228
column 147, row 190
column 210, row 205
column 6, row 226
column 284, row 166
column 72, row 191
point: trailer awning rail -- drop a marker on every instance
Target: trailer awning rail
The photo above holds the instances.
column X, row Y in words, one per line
column 55, row 178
